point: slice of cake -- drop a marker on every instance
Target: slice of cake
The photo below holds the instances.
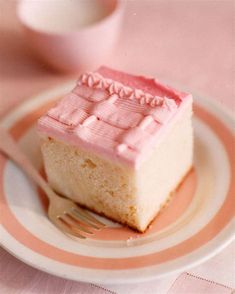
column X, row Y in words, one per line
column 118, row 144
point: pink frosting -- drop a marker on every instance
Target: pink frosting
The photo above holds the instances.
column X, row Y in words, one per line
column 115, row 114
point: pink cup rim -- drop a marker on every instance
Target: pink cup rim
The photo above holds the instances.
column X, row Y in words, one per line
column 118, row 9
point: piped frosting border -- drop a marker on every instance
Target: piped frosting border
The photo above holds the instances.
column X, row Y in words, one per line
column 113, row 119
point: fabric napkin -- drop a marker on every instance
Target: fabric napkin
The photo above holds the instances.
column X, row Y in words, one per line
column 187, row 283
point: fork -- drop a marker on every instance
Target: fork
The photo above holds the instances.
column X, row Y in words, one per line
column 65, row 214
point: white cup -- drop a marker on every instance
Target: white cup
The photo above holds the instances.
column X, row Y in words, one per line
column 72, row 35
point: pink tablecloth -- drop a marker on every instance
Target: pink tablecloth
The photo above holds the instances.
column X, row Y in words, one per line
column 188, row 43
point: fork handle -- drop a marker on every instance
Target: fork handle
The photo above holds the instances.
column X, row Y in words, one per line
column 10, row 148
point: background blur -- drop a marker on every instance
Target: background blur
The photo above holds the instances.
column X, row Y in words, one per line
column 185, row 43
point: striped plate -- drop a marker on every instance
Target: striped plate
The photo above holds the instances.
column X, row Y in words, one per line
column 196, row 225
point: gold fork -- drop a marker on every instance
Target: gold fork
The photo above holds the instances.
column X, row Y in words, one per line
column 64, row 213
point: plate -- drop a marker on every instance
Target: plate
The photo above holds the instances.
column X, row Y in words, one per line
column 196, row 224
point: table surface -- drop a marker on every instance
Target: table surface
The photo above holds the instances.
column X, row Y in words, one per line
column 187, row 43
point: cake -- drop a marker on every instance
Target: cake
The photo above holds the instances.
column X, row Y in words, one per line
column 118, row 144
